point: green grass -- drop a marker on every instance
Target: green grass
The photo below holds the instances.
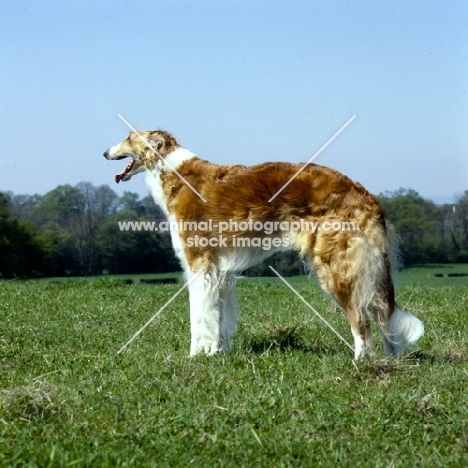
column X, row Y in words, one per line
column 288, row 395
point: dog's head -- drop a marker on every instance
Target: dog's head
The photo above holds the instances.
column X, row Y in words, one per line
column 145, row 149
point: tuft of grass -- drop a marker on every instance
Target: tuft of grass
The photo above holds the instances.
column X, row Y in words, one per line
column 29, row 401
column 278, row 337
column 457, row 356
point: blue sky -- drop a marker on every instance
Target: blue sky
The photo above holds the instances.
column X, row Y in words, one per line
column 237, row 82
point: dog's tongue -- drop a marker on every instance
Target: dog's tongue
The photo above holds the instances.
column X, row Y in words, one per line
column 121, row 175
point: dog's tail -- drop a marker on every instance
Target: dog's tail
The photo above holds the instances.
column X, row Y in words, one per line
column 402, row 331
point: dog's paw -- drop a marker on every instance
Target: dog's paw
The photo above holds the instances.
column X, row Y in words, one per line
column 210, row 348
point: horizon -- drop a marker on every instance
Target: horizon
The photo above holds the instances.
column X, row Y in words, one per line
column 248, row 84
column 438, row 202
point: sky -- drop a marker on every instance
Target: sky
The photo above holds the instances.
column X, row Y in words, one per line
column 237, row 82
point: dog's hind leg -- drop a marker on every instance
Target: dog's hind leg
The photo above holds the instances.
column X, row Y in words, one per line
column 205, row 312
column 360, row 325
column 340, row 263
column 363, row 286
column 374, row 292
column 337, row 286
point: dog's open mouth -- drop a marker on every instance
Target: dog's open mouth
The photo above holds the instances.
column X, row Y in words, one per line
column 121, row 175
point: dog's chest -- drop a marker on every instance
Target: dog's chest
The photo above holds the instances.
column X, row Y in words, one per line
column 154, row 182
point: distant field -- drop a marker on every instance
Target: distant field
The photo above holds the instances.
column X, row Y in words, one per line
column 435, row 275
column 288, row 395
column 429, row 275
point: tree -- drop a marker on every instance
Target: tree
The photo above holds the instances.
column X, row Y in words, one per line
column 96, row 204
column 72, row 218
column 60, row 259
column 457, row 225
column 22, row 250
column 413, row 219
column 23, row 206
column 131, row 201
column 151, row 209
column 134, row 251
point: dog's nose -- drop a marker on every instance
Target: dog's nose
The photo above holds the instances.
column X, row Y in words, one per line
column 106, row 154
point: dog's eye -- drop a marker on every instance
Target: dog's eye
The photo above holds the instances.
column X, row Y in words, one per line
column 129, row 138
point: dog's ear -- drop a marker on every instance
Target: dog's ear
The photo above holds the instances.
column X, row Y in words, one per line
column 157, row 141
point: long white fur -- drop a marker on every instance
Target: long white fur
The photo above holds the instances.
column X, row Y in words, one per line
column 403, row 330
column 177, row 157
column 213, row 311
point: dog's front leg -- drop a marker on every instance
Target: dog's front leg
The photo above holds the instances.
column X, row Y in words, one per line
column 229, row 310
column 204, row 313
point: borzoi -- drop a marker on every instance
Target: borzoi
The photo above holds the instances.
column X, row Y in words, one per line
column 215, row 206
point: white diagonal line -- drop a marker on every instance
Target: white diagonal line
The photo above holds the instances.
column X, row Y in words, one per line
column 311, row 308
column 158, row 312
column 312, row 158
column 160, row 157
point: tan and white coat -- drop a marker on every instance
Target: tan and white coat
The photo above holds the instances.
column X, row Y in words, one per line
column 353, row 266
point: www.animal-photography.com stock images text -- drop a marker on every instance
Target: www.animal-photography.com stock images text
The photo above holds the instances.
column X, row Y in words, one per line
column 234, row 234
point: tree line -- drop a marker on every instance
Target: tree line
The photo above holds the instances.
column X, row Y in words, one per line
column 74, row 231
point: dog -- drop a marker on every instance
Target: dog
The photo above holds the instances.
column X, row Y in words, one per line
column 353, row 266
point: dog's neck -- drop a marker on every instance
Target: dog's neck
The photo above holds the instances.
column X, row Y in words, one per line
column 175, row 159
column 154, row 176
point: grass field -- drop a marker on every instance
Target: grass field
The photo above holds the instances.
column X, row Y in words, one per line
column 288, row 395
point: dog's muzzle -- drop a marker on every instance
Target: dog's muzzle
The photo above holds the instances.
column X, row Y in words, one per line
column 107, row 155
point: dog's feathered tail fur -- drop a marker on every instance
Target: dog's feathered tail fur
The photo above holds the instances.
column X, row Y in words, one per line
column 360, row 278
